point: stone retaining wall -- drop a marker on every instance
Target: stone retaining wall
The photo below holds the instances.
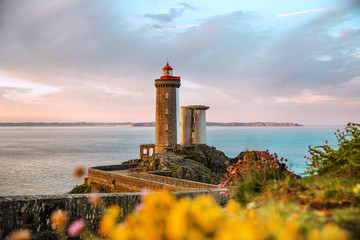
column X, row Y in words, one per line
column 33, row 212
column 176, row 181
column 116, row 167
column 99, row 178
column 113, row 182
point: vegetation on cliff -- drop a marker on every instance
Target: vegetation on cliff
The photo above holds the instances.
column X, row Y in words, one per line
column 81, row 189
column 331, row 195
column 200, row 163
column 346, row 154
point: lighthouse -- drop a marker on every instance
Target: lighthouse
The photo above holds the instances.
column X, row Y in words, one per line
column 167, row 124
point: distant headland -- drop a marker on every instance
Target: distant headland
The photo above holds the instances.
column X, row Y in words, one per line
column 142, row 124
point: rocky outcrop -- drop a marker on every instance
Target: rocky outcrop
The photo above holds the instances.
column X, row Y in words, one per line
column 209, row 156
column 200, row 163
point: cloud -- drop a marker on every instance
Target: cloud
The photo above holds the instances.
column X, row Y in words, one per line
column 306, row 96
column 161, row 29
column 240, row 60
column 300, row 12
column 166, row 17
column 324, row 58
column 171, row 15
column 187, row 6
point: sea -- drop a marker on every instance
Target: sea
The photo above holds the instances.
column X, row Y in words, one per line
column 40, row 160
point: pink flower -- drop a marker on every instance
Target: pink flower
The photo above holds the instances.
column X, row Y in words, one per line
column 139, row 207
column 144, row 192
column 94, row 198
column 233, row 172
column 76, row 227
column 225, row 194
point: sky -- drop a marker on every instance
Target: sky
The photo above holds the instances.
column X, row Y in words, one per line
column 96, row 61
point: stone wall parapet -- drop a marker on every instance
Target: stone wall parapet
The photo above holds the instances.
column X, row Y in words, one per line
column 33, row 212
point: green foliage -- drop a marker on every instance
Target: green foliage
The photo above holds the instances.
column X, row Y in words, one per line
column 81, row 189
column 330, row 193
column 246, row 190
column 253, row 171
column 326, row 159
column 191, row 153
column 349, row 219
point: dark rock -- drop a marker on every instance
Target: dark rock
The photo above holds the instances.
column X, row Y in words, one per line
column 200, row 163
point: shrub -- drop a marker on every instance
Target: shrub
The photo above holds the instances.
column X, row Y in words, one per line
column 325, row 159
column 251, row 171
column 81, row 189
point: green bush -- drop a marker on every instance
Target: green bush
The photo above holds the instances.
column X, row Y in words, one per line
column 81, row 189
column 191, row 153
column 325, row 159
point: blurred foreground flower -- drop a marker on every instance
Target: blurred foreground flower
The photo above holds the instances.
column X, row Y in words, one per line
column 22, row 234
column 94, row 198
column 79, row 172
column 58, row 219
column 356, row 189
column 163, row 217
column 76, row 228
column 108, row 221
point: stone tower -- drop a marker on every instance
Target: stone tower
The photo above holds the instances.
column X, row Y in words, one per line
column 167, row 123
column 193, row 125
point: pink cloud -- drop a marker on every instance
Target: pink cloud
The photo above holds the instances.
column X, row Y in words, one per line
column 301, row 12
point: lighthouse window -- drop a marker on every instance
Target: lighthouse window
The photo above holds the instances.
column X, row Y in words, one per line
column 166, row 127
column 166, row 95
column 166, row 111
column 166, row 143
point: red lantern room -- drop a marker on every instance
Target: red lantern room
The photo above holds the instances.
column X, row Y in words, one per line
column 168, row 72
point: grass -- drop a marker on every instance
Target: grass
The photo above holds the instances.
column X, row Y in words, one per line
column 315, row 200
column 81, row 189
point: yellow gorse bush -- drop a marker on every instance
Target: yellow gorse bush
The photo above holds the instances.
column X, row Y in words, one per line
column 163, row 217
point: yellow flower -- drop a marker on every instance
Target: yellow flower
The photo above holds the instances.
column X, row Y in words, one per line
column 21, row 234
column 233, row 207
column 252, row 214
column 356, row 189
column 290, row 230
column 205, row 213
column 314, row 235
column 108, row 221
column 58, row 218
column 333, row 232
column 163, row 217
column 177, row 220
column 121, row 233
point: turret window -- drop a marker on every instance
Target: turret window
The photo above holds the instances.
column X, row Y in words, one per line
column 166, row 143
column 166, row 95
column 166, row 127
column 166, row 111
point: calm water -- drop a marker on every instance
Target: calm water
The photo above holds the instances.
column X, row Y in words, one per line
column 39, row 160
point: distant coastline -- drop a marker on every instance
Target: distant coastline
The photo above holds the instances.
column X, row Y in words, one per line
column 143, row 124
